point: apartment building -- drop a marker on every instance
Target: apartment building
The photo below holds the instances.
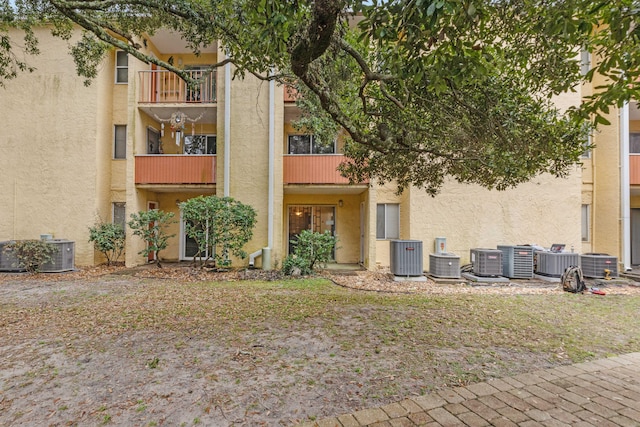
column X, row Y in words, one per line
column 138, row 138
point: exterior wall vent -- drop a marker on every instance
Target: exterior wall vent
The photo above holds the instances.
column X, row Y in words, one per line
column 406, row 257
column 553, row 264
column 444, row 265
column 517, row 261
column 63, row 259
column 594, row 265
column 8, row 260
column 486, row 262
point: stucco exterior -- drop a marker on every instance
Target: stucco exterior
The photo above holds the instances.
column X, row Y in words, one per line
column 60, row 176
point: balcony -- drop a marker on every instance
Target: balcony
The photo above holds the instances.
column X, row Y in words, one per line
column 167, row 169
column 313, row 169
column 163, row 87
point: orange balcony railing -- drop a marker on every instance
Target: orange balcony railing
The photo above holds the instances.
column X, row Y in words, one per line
column 634, row 169
column 313, row 169
column 175, row 169
column 161, row 86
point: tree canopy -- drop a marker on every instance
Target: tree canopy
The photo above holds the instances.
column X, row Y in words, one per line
column 423, row 89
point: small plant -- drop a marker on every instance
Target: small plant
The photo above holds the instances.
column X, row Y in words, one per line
column 108, row 239
column 151, row 226
column 310, row 250
column 31, row 254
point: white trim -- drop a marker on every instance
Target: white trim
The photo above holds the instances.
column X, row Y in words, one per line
column 625, row 208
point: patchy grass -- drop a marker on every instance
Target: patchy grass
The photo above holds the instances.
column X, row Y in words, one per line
column 265, row 350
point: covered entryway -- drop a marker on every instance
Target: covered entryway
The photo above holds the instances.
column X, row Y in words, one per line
column 318, row 218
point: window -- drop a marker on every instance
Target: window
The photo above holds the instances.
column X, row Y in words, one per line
column 587, row 152
column 585, row 62
column 200, row 144
column 122, row 67
column 388, row 221
column 586, row 222
column 634, row 143
column 309, row 144
column 120, row 142
column 119, row 215
column 153, row 141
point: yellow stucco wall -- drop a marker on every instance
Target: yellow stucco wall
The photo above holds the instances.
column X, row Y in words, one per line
column 50, row 155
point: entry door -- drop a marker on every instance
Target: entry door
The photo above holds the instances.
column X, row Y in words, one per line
column 315, row 218
column 635, row 236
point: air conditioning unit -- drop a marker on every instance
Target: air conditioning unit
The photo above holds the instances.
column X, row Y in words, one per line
column 594, row 265
column 444, row 265
column 517, row 261
column 553, row 264
column 406, row 257
column 8, row 260
column 486, row 262
column 63, row 259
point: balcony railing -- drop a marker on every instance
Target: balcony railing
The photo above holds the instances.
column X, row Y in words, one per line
column 290, row 94
column 313, row 169
column 175, row 169
column 634, row 169
column 161, row 86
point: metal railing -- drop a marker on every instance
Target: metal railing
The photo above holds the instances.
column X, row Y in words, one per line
column 161, row 86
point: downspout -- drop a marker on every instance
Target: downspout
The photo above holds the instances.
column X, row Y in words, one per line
column 227, row 126
column 272, row 139
column 625, row 205
column 265, row 253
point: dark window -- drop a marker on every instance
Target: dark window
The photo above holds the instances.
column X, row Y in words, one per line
column 387, row 221
column 119, row 214
column 308, row 144
column 120, row 142
column 634, row 142
column 200, row 144
column 122, row 67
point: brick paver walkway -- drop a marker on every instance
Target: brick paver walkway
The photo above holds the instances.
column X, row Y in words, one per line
column 600, row 393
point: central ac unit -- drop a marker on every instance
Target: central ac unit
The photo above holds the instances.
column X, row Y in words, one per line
column 553, row 264
column 594, row 265
column 62, row 259
column 8, row 260
column 486, row 262
column 406, row 257
column 517, row 261
column 444, row 265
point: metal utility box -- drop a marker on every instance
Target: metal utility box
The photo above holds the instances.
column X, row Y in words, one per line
column 63, row 259
column 553, row 264
column 517, row 261
column 444, row 265
column 594, row 265
column 486, row 262
column 406, row 257
column 8, row 260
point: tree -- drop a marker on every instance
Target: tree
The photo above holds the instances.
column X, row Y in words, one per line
column 310, row 250
column 423, row 89
column 220, row 226
column 151, row 226
column 109, row 239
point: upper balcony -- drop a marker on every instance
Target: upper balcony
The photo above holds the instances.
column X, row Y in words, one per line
column 313, row 169
column 165, row 87
column 171, row 170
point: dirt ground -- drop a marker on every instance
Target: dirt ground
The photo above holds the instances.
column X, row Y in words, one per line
column 54, row 375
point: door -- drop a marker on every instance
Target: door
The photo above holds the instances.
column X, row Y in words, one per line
column 189, row 246
column 150, row 206
column 362, row 233
column 635, row 236
column 316, row 218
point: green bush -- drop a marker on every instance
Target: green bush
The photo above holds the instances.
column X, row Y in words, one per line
column 220, row 226
column 108, row 239
column 151, row 226
column 310, row 250
column 31, row 254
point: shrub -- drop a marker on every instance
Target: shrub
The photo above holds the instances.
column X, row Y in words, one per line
column 108, row 239
column 32, row 254
column 151, row 226
column 310, row 250
column 220, row 226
